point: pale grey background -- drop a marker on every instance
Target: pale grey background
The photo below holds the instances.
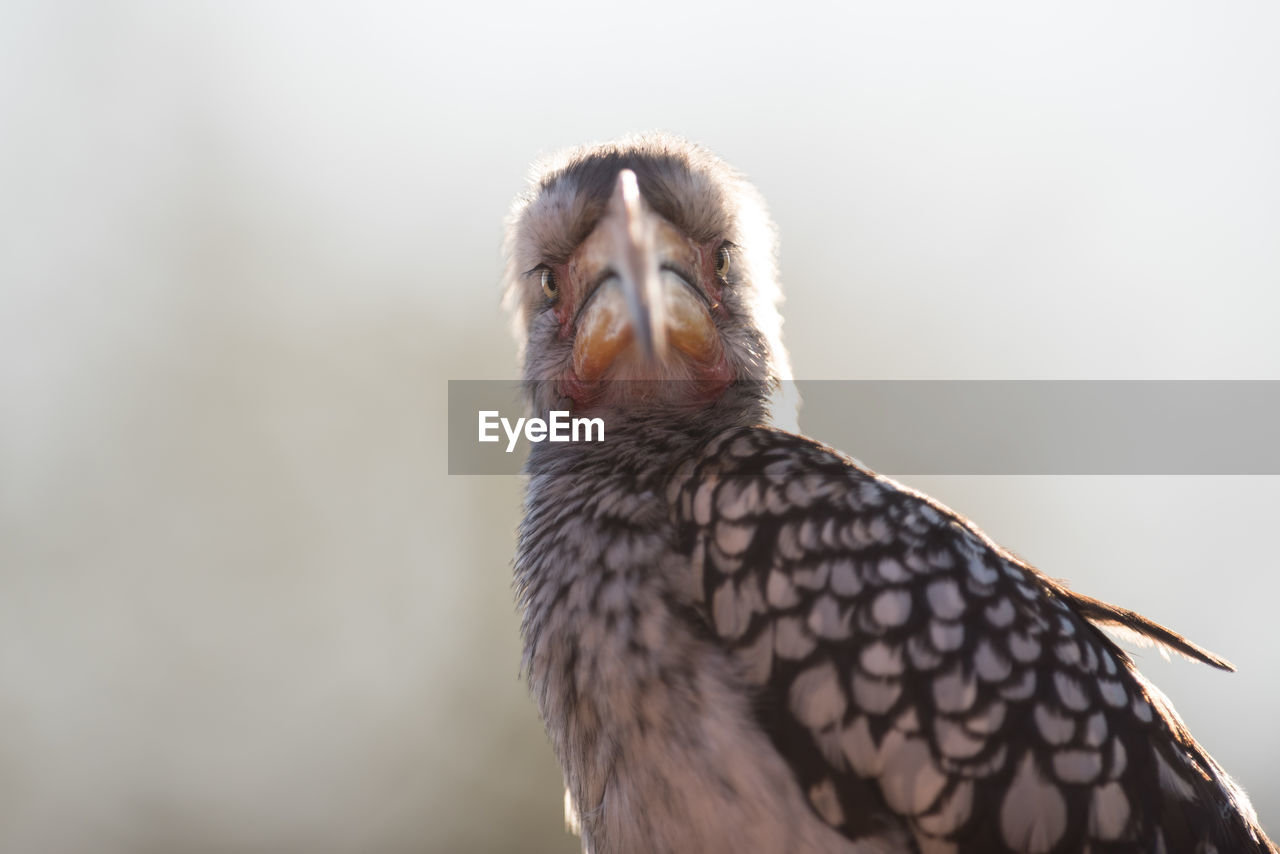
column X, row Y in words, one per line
column 244, row 245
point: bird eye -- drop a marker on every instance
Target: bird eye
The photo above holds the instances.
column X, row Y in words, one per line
column 722, row 261
column 550, row 286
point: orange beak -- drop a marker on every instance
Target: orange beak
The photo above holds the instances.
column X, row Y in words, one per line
column 637, row 306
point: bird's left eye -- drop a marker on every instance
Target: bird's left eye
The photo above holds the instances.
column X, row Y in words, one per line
column 550, row 286
column 722, row 261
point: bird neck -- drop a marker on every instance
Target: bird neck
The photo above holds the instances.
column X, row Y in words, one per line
column 652, row 440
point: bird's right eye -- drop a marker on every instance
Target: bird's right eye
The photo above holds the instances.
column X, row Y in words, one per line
column 550, row 286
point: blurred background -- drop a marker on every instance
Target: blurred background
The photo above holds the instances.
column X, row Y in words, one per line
column 243, row 246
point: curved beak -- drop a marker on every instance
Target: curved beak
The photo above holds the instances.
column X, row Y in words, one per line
column 628, row 305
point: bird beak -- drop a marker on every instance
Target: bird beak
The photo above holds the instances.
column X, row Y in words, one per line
column 632, row 306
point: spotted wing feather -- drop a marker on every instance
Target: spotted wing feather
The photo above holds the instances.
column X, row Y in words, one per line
column 913, row 672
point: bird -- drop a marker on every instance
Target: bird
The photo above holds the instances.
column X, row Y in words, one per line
column 742, row 640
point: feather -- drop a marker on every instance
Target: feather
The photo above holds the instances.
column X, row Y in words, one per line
column 1141, row 630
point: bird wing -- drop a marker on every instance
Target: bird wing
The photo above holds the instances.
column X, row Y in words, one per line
column 912, row 671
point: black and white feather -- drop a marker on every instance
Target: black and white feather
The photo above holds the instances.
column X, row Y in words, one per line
column 913, row 671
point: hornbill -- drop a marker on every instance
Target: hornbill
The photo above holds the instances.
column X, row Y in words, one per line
column 741, row 640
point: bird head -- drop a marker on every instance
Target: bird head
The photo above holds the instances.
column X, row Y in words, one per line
column 641, row 277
